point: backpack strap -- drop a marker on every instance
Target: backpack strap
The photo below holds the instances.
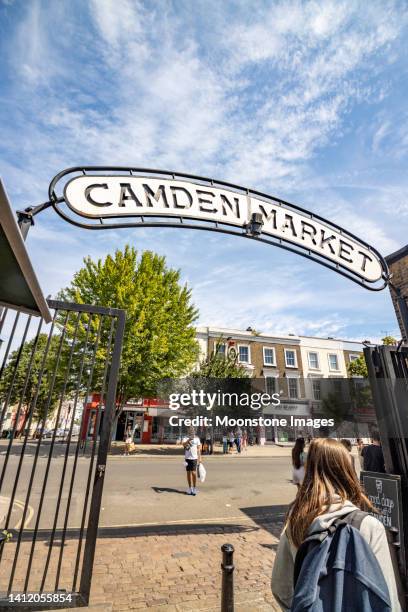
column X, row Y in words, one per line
column 353, row 518
column 308, row 543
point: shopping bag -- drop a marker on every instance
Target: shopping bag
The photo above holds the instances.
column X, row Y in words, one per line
column 202, row 472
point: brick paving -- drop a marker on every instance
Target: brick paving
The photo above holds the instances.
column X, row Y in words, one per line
column 174, row 568
column 180, row 571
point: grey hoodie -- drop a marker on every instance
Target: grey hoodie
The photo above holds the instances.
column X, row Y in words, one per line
column 371, row 529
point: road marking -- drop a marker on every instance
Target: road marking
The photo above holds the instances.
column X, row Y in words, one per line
column 30, row 514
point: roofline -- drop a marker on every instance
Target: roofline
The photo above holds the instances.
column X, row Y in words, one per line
column 16, row 242
column 208, row 330
column 397, row 255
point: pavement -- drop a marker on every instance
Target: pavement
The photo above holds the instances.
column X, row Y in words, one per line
column 172, row 450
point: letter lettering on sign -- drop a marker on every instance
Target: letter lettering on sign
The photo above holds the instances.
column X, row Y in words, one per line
column 176, row 201
column 308, row 230
column 365, row 259
column 345, row 251
column 160, row 193
column 90, row 199
column 225, row 202
column 289, row 225
column 127, row 193
column 327, row 240
column 204, row 203
column 269, row 215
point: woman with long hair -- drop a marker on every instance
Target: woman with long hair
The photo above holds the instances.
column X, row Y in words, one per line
column 330, row 490
column 298, row 461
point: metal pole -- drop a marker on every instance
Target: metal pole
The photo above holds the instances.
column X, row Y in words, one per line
column 227, row 566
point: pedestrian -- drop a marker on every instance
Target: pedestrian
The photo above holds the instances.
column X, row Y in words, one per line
column 128, row 442
column 298, row 462
column 224, row 443
column 231, row 440
column 331, row 490
column 245, row 440
column 209, row 442
column 373, row 458
column 348, row 446
column 192, row 456
column 238, row 438
column 360, row 445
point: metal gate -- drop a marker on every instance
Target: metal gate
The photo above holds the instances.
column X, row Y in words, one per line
column 388, row 373
column 53, row 449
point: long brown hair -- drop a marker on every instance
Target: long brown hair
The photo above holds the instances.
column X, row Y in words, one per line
column 297, row 450
column 329, row 472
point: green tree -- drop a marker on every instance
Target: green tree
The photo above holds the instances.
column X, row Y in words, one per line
column 358, row 367
column 32, row 384
column 218, row 366
column 389, row 341
column 159, row 339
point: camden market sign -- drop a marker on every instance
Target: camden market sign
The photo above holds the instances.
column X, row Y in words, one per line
column 131, row 197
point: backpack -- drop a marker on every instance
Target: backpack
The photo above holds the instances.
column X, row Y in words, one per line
column 336, row 571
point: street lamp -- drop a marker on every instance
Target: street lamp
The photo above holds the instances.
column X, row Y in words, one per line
column 254, row 227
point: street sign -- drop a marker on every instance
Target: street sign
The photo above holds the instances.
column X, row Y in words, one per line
column 131, row 197
column 384, row 492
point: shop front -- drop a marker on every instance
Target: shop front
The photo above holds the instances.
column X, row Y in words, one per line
column 300, row 409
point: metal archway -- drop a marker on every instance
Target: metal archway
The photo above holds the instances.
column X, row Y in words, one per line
column 143, row 197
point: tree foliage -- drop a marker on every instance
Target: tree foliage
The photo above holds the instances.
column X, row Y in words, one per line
column 389, row 340
column 29, row 377
column 159, row 339
column 218, row 366
column 358, row 367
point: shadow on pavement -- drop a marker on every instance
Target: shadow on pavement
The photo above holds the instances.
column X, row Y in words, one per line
column 270, row 518
column 145, row 530
column 159, row 451
column 168, row 490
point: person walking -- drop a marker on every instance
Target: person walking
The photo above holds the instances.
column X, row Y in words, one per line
column 128, row 442
column 192, row 456
column 373, row 458
column 348, row 446
column 238, row 439
column 245, row 440
column 330, row 491
column 298, row 462
column 231, row 440
column 208, row 441
column 224, row 443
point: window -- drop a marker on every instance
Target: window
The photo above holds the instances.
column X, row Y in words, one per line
column 353, row 358
column 317, row 389
column 220, row 349
column 333, row 362
column 290, row 358
column 269, row 356
column 313, row 361
column 270, row 385
column 293, row 388
column 243, row 353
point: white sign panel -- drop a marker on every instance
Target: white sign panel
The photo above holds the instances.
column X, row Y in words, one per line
column 117, row 196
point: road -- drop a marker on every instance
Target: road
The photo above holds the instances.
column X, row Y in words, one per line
column 152, row 490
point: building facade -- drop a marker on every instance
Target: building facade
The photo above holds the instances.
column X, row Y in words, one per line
column 398, row 264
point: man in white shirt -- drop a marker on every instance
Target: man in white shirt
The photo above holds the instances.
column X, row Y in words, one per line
column 192, row 456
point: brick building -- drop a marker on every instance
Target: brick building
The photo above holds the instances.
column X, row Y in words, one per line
column 398, row 264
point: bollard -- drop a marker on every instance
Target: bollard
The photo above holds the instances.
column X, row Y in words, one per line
column 227, row 566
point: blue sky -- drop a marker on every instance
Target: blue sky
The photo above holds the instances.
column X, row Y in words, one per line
column 305, row 101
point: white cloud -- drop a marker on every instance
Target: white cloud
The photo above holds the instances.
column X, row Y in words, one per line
column 126, row 83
